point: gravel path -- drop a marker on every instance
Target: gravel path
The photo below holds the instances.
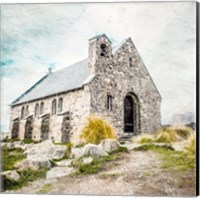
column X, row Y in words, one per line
column 136, row 173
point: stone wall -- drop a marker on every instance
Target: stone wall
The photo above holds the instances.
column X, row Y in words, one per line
column 76, row 102
column 118, row 75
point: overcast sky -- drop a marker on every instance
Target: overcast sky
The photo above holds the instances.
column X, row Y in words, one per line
column 35, row 37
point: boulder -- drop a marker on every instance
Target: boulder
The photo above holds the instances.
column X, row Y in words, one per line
column 15, row 144
column 88, row 150
column 93, row 150
column 77, row 152
column 11, row 175
column 59, row 172
column 178, row 146
column 109, row 145
column 34, row 163
column 64, row 163
column 87, row 160
column 8, row 145
column 46, row 150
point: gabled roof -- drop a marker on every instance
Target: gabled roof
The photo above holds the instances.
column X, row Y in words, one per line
column 69, row 78
column 66, row 79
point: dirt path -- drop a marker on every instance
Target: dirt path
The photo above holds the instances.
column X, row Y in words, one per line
column 135, row 173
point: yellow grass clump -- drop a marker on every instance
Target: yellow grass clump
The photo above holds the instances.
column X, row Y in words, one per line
column 97, row 130
column 165, row 135
column 183, row 131
column 144, row 138
column 190, row 146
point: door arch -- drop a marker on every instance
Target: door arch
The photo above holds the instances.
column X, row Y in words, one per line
column 131, row 114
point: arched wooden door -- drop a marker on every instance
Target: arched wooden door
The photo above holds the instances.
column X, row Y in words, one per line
column 128, row 115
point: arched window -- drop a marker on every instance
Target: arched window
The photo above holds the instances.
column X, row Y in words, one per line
column 54, row 107
column 104, row 49
column 41, row 108
column 27, row 111
column 60, row 105
column 22, row 113
column 37, row 110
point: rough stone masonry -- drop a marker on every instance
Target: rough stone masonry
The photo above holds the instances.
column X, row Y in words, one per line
column 112, row 82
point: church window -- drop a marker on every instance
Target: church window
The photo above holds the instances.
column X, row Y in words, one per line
column 109, row 102
column 54, row 107
column 37, row 110
column 41, row 108
column 103, row 49
column 22, row 113
column 27, row 111
column 60, row 105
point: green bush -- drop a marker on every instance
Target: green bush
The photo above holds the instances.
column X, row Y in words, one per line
column 97, row 130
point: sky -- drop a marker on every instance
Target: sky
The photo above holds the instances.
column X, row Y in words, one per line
column 35, row 37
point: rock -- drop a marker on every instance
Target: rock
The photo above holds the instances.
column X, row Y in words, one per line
column 15, row 144
column 3, row 144
column 77, row 152
column 34, row 163
column 93, row 150
column 8, row 145
column 64, row 163
column 12, row 175
column 109, row 145
column 59, row 172
column 179, row 146
column 46, row 150
column 87, row 160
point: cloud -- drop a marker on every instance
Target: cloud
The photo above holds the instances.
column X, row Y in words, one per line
column 38, row 36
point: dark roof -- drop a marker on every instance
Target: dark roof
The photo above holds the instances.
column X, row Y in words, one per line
column 69, row 78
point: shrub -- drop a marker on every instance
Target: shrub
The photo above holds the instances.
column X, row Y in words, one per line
column 190, row 146
column 144, row 138
column 97, row 130
column 183, row 131
column 167, row 135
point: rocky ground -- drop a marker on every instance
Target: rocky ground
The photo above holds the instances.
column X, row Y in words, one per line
column 135, row 173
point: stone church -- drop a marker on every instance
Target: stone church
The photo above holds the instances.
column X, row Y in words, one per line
column 112, row 82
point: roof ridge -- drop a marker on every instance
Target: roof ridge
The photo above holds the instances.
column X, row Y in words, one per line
column 76, row 63
column 32, row 87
